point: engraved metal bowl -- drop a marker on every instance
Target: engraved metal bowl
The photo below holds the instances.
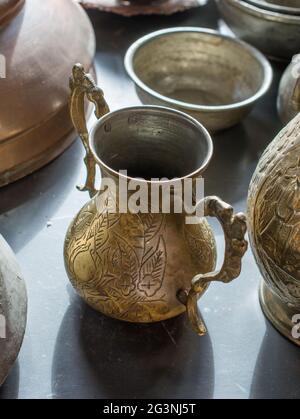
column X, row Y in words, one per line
column 275, row 34
column 214, row 78
column 282, row 6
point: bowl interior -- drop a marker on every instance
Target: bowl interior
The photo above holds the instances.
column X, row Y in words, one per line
column 151, row 142
column 198, row 68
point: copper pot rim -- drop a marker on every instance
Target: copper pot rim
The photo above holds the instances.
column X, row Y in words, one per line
column 261, row 59
column 190, row 119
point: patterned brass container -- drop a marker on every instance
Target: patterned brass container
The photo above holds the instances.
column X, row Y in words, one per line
column 145, row 267
column 274, row 227
column 288, row 101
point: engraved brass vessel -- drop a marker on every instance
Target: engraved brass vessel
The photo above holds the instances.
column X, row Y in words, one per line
column 288, row 100
column 145, row 267
column 274, row 227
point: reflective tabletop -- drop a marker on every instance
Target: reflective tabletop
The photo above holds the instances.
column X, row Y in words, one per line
column 71, row 351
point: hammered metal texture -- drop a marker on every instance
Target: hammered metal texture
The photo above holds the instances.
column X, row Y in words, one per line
column 273, row 214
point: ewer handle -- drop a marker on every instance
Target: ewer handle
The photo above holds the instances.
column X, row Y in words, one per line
column 82, row 84
column 234, row 227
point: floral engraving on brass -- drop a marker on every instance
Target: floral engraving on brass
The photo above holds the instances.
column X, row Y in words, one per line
column 274, row 223
column 142, row 267
column 117, row 262
column 275, row 197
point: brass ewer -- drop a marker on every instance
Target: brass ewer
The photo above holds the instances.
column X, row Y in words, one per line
column 144, row 266
column 274, row 228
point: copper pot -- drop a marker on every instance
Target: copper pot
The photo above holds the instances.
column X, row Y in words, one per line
column 145, row 266
column 39, row 42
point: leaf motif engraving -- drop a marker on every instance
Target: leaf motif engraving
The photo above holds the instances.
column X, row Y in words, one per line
column 152, row 223
column 117, row 262
column 81, row 224
column 125, row 266
column 98, row 230
column 153, row 270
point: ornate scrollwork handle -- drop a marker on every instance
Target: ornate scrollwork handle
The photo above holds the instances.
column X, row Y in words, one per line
column 82, row 84
column 234, row 227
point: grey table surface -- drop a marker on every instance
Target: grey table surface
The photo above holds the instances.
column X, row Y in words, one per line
column 71, row 351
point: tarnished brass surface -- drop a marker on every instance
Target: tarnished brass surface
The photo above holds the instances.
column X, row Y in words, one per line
column 275, row 34
column 288, row 101
column 182, row 68
column 274, row 224
column 139, row 267
column 279, row 313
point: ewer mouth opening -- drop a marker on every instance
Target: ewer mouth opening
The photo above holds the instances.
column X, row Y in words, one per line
column 151, row 143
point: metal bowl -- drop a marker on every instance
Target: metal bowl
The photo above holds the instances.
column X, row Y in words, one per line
column 214, row 78
column 291, row 7
column 275, row 34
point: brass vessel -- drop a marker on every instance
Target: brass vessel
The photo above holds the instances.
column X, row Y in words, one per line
column 181, row 68
column 288, row 100
column 274, row 228
column 145, row 267
column 35, row 58
column 275, row 34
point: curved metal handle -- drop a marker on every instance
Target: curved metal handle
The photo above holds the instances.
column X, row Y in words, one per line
column 82, row 84
column 234, row 227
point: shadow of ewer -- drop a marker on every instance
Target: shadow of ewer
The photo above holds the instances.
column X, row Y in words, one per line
column 277, row 369
column 99, row 357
